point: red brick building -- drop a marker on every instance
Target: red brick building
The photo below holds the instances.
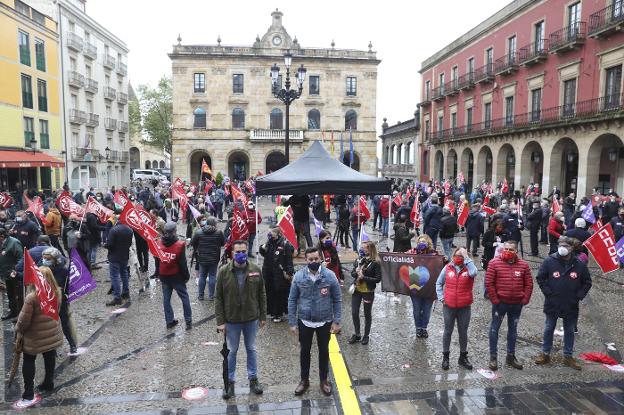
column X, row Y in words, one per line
column 533, row 94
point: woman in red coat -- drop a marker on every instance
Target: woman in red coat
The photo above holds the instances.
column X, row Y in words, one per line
column 332, row 262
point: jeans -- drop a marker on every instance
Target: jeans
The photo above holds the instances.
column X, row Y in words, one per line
column 447, row 245
column 305, row 340
column 376, row 215
column 384, row 226
column 119, row 270
column 233, row 334
column 356, row 300
column 569, row 323
column 433, row 234
column 474, row 242
column 421, row 308
column 93, row 253
column 462, row 316
column 355, row 233
column 210, row 271
column 180, row 287
column 513, row 312
column 28, row 372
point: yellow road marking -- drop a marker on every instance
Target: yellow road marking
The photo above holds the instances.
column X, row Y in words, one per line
column 349, row 401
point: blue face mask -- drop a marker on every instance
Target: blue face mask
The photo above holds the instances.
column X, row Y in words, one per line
column 314, row 266
column 421, row 246
column 362, row 252
column 203, row 223
column 269, row 236
column 46, row 262
column 240, row 257
column 327, row 243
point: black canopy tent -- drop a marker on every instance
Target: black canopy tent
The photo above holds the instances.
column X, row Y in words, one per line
column 316, row 172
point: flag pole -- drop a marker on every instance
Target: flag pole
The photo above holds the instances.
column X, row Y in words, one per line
column 358, row 219
column 256, row 219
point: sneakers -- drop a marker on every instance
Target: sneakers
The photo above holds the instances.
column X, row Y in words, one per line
column 542, row 359
column 200, row 297
column 364, row 340
column 355, row 338
column 125, row 296
column 493, row 365
column 255, row 387
column 277, row 319
column 114, row 302
column 513, row 362
column 73, row 349
column 25, row 403
column 445, row 361
column 569, row 361
column 229, row 391
column 172, row 324
column 419, row 333
column 463, row 361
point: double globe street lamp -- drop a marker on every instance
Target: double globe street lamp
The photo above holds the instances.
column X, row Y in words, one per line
column 287, row 95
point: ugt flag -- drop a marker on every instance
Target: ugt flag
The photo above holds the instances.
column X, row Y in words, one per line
column 287, row 226
column 48, row 300
column 619, row 249
column 588, row 214
column 602, row 247
column 81, row 281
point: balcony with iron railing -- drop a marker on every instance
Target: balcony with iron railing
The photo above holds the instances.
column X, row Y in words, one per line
column 507, row 64
column 426, row 100
column 533, row 53
column 122, row 126
column 112, row 156
column 85, row 154
column 93, row 120
column 451, row 88
column 568, row 37
column 77, row 117
column 110, row 124
column 110, row 93
column 608, row 20
column 466, row 81
column 122, row 98
column 74, row 41
column 89, row 50
column 484, row 74
column 611, row 106
column 275, row 135
column 75, row 79
column 109, row 61
column 437, row 93
column 122, row 69
column 91, row 86
column 124, row 156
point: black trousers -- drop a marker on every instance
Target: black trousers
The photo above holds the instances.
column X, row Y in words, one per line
column 156, row 266
column 28, row 371
column 356, row 299
column 15, row 292
column 377, row 214
column 54, row 240
column 544, row 233
column 474, row 241
column 142, row 252
column 66, row 324
column 277, row 295
column 534, row 241
column 305, row 341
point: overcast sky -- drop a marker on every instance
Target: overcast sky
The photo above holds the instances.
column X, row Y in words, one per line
column 403, row 33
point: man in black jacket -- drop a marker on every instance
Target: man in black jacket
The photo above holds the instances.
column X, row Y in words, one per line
column 617, row 223
column 277, row 270
column 447, row 231
column 207, row 243
column 474, row 229
column 534, row 221
column 545, row 208
column 118, row 244
column 95, row 239
column 431, row 220
column 26, row 231
column 301, row 215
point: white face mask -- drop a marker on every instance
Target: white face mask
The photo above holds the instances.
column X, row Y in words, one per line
column 563, row 251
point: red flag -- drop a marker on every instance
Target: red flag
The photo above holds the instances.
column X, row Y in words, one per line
column 602, row 247
column 408, row 194
column 239, row 226
column 177, row 193
column 250, row 187
column 129, row 216
column 103, row 213
column 205, row 168
column 208, row 186
column 237, row 194
column 36, row 206
column 415, row 213
column 226, row 189
column 178, row 183
column 68, row 207
column 555, row 205
column 145, row 215
column 120, row 198
column 278, row 200
column 287, row 226
column 450, row 203
column 364, row 209
column 397, row 199
column 596, row 226
column 447, row 187
column 462, row 213
column 486, row 200
column 488, row 210
column 5, row 200
column 460, row 179
column 505, row 188
column 48, row 300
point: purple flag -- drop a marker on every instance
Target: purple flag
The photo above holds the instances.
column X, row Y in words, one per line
column 363, row 235
column 318, row 225
column 588, row 214
column 194, row 211
column 619, row 249
column 81, row 281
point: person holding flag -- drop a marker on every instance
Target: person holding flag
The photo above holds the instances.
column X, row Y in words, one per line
column 38, row 330
column 366, row 274
column 12, row 253
column 556, row 227
column 118, row 244
column 277, row 270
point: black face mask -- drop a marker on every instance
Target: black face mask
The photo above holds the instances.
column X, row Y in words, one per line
column 314, row 266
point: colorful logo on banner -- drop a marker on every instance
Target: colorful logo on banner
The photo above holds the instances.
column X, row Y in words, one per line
column 81, row 281
column 410, row 274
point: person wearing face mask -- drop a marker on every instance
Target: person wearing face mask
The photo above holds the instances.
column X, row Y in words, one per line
column 534, row 220
column 168, row 212
column 509, row 285
column 474, row 229
column 494, row 237
column 580, row 233
column 252, row 218
column 454, row 290
column 207, row 243
column 25, row 230
column 564, row 281
column 421, row 306
column 240, row 308
column 617, row 223
column 514, row 224
column 314, row 306
column 366, row 274
column 277, row 270
column 556, row 227
column 327, row 247
column 11, row 252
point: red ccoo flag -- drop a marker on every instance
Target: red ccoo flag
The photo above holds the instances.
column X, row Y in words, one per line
column 36, row 206
column 505, row 188
column 397, row 199
column 556, row 207
column 364, row 209
column 415, row 213
column 237, row 194
column 92, row 206
column 239, row 226
column 462, row 213
column 602, row 247
column 48, row 300
column 450, row 203
column 288, row 228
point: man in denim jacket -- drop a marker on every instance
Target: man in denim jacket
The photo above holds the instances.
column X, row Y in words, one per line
column 314, row 305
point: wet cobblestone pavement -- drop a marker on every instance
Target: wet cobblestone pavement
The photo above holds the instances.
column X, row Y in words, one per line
column 134, row 365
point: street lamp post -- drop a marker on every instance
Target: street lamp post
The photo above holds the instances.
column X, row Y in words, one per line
column 287, row 95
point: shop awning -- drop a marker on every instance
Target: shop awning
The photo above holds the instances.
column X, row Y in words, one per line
column 25, row 159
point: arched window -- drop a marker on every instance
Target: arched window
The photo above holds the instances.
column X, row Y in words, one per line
column 238, row 118
column 387, row 158
column 277, row 119
column 199, row 116
column 162, row 164
column 148, row 164
column 154, row 164
column 351, row 120
column 314, row 119
column 394, row 154
column 410, row 152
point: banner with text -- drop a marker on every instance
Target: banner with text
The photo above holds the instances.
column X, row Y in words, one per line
column 410, row 274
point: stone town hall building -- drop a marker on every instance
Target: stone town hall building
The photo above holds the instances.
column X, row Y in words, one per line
column 224, row 110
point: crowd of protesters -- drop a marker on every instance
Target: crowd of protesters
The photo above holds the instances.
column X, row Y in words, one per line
column 244, row 294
